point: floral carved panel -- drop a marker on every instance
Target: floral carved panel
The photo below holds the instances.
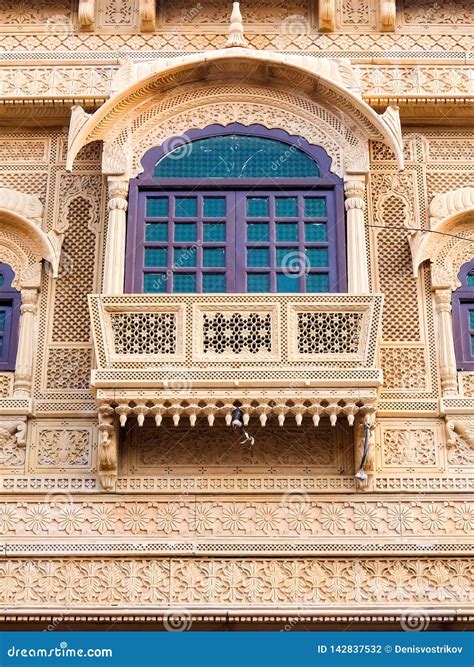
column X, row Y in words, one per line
column 61, row 446
column 410, row 446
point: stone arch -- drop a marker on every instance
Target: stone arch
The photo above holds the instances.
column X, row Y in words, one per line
column 23, row 244
column 452, row 216
column 173, row 94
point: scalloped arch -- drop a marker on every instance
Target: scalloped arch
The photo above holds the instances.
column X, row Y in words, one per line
column 330, row 81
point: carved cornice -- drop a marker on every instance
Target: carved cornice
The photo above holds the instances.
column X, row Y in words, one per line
column 337, row 84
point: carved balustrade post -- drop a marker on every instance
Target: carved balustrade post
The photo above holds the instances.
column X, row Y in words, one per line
column 447, row 357
column 357, row 260
column 26, row 343
column 116, row 234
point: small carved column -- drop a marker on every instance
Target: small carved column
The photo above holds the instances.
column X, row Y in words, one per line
column 447, row 357
column 116, row 233
column 108, row 448
column 357, row 260
column 26, row 343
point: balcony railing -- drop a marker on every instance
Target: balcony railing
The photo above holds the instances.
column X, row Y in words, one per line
column 275, row 356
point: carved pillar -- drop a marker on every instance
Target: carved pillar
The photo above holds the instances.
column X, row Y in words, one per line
column 116, row 232
column 108, row 448
column 86, row 13
column 388, row 15
column 357, row 260
column 147, row 10
column 327, row 15
column 364, row 446
column 447, row 357
column 26, row 344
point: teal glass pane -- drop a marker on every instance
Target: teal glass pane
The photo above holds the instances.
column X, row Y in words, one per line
column 317, row 282
column 258, row 231
column 472, row 345
column 258, row 282
column 471, row 319
column 154, row 283
column 214, row 257
column 286, row 231
column 470, row 279
column 185, row 231
column 214, row 232
column 2, row 279
column 315, row 231
column 1, row 345
column 184, row 282
column 315, row 207
column 185, row 207
column 317, row 257
column 184, row 257
column 213, row 282
column 157, row 207
column 258, row 257
column 157, row 231
column 2, row 320
column 214, row 207
column 236, row 156
column 288, row 283
column 156, row 257
column 287, row 257
column 257, row 207
column 286, row 207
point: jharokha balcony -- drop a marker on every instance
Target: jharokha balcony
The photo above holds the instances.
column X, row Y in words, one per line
column 199, row 357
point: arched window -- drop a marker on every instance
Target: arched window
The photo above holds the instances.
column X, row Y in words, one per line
column 463, row 318
column 236, row 209
column 9, row 319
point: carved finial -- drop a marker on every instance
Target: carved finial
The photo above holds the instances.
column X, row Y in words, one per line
column 236, row 28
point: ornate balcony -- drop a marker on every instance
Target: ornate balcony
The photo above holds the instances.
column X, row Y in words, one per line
column 276, row 356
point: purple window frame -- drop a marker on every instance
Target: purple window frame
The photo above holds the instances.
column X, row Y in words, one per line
column 146, row 184
column 10, row 300
column 462, row 303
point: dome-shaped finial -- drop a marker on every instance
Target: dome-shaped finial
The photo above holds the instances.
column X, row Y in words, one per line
column 236, row 28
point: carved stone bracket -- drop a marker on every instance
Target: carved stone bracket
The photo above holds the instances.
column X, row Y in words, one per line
column 147, row 13
column 388, row 15
column 457, row 429
column 364, row 453
column 108, row 448
column 86, row 13
column 327, row 15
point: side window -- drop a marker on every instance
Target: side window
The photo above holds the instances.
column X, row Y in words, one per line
column 9, row 319
column 463, row 318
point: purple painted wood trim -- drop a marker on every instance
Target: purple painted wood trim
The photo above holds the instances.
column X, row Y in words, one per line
column 10, row 300
column 327, row 181
column 462, row 302
column 154, row 155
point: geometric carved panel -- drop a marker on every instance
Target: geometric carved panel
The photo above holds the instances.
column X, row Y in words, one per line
column 406, row 446
column 200, row 450
column 61, row 446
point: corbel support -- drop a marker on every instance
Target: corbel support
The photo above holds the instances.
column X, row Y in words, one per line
column 116, row 234
column 108, row 448
column 26, row 344
column 86, row 14
column 388, row 15
column 447, row 357
column 15, row 428
column 357, row 259
column 327, row 15
column 364, row 448
column 147, row 12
